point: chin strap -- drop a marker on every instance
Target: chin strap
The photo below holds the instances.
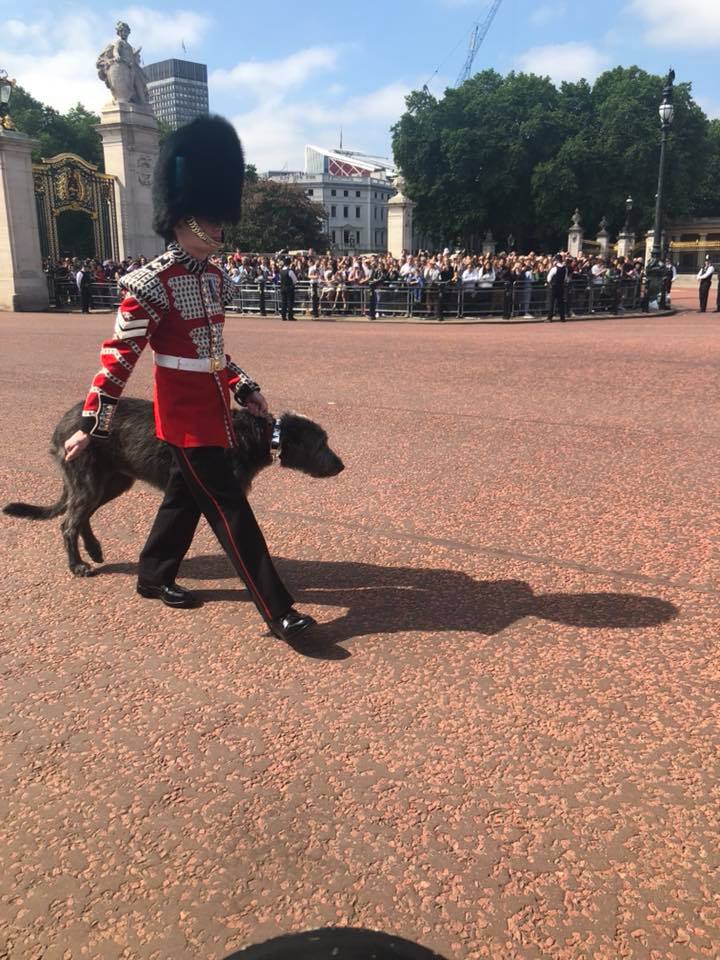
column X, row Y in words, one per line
column 275, row 439
column 195, row 227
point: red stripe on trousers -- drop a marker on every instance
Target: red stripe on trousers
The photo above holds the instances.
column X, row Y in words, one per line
column 248, row 578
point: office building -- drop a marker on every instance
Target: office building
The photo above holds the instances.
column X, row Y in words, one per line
column 178, row 90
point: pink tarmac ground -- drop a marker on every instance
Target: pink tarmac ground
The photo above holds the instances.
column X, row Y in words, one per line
column 503, row 741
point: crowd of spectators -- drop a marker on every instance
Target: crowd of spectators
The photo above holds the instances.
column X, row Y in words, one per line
column 87, row 281
column 502, row 283
column 483, row 280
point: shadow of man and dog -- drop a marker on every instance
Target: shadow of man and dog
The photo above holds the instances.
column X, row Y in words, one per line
column 382, row 600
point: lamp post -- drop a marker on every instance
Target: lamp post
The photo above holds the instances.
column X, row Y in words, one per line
column 656, row 269
column 628, row 211
column 6, row 86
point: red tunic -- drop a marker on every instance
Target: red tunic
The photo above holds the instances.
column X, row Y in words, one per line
column 177, row 305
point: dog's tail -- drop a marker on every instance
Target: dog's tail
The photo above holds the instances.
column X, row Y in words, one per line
column 32, row 511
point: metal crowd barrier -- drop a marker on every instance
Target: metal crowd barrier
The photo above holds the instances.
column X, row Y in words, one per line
column 64, row 295
column 500, row 299
column 522, row 298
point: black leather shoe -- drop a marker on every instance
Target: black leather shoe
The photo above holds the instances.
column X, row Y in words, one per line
column 172, row 596
column 289, row 626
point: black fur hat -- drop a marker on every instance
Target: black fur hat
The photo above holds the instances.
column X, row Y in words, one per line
column 199, row 173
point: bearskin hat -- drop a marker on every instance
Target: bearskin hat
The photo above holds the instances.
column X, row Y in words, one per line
column 199, row 173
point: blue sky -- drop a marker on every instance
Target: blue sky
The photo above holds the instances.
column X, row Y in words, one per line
column 289, row 73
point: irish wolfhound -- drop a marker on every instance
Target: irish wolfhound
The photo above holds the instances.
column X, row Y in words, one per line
column 108, row 468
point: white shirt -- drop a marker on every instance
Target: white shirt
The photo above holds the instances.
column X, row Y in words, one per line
column 706, row 273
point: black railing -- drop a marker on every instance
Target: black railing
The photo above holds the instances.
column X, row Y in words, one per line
column 518, row 299
column 521, row 299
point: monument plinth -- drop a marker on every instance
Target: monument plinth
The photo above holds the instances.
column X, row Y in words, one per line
column 131, row 143
column 22, row 282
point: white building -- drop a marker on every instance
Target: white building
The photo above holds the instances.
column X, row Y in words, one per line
column 354, row 189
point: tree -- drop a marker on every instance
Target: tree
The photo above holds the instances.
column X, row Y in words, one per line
column 516, row 154
column 277, row 215
column 72, row 132
column 707, row 197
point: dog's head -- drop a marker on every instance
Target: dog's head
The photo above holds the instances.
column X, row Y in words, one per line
column 304, row 447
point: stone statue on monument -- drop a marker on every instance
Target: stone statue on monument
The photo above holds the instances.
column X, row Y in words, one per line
column 118, row 66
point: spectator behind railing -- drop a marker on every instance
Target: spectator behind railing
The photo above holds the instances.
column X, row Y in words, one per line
column 435, row 285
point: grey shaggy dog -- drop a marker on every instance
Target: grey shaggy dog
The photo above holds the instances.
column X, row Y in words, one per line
column 108, row 468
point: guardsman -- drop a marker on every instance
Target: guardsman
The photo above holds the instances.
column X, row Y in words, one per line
column 176, row 303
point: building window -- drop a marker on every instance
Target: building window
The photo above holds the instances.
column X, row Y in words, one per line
column 357, row 234
column 333, row 211
column 333, row 193
column 346, row 237
column 357, row 212
column 333, row 237
column 310, row 193
column 382, row 213
column 346, row 211
column 345, row 193
column 374, row 213
column 357, row 193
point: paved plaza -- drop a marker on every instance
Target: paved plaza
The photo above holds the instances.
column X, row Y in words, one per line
column 502, row 741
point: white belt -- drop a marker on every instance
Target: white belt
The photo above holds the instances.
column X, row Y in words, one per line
column 191, row 364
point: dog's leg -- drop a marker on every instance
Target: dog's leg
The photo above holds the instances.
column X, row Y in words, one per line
column 91, row 542
column 71, row 527
column 114, row 487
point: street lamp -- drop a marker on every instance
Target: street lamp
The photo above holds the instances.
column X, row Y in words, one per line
column 655, row 268
column 628, row 211
column 6, row 86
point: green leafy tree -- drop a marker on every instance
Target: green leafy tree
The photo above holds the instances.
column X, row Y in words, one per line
column 277, row 215
column 71, row 132
column 516, row 154
column 707, row 197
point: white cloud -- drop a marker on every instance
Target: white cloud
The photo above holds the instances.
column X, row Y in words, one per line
column 162, row 33
column 53, row 57
column 696, row 25
column 276, row 129
column 563, row 61
column 548, row 13
column 263, row 76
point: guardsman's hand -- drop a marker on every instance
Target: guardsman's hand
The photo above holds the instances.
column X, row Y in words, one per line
column 75, row 444
column 256, row 404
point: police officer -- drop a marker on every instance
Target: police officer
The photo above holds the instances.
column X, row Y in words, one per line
column 557, row 278
column 705, row 276
column 177, row 304
column 84, row 280
column 288, row 281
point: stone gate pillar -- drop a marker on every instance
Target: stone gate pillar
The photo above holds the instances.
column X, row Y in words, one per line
column 576, row 235
column 131, row 143
column 603, row 240
column 22, row 282
column 399, row 222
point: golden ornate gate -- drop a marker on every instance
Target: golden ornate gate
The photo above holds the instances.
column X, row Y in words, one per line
column 68, row 183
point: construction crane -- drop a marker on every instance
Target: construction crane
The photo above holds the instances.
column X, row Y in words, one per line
column 479, row 32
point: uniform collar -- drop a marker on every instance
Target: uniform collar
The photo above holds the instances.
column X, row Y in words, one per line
column 180, row 255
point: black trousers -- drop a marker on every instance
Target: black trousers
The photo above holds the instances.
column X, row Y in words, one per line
column 557, row 299
column 202, row 482
column 704, row 293
column 287, row 303
column 372, row 306
column 85, row 297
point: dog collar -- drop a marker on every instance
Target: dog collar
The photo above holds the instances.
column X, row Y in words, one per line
column 275, row 439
